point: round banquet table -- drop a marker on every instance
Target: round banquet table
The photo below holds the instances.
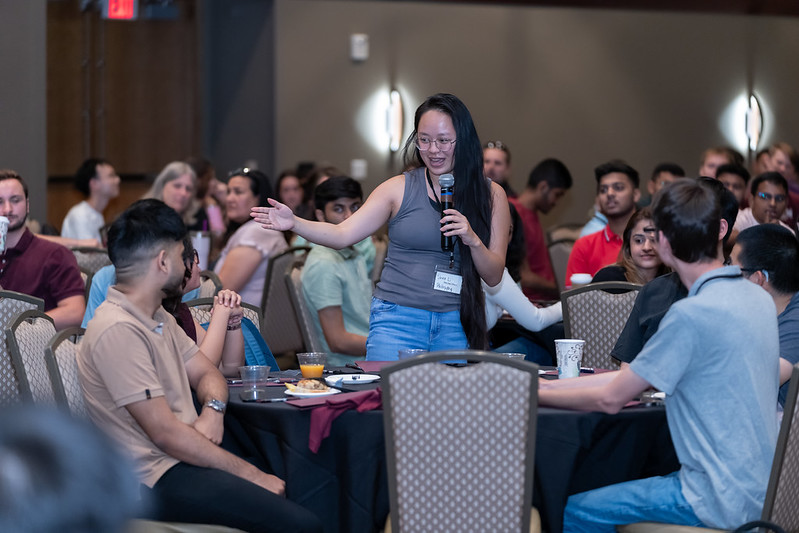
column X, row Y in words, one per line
column 345, row 483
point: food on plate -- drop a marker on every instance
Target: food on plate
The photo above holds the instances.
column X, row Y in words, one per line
column 308, row 385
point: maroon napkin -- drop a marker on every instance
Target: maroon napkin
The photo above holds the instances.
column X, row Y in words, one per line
column 322, row 417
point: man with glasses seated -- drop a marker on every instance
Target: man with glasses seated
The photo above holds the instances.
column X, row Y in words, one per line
column 769, row 256
column 769, row 201
column 716, row 357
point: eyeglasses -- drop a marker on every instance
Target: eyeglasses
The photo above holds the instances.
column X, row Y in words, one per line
column 779, row 198
column 444, row 145
column 499, row 145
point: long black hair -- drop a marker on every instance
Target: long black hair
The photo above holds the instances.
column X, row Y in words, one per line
column 472, row 199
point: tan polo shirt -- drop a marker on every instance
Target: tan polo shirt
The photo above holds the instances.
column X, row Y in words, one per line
column 127, row 357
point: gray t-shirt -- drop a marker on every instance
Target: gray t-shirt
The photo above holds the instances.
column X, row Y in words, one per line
column 414, row 252
column 716, row 356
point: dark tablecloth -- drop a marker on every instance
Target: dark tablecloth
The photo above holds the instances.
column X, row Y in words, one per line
column 345, row 484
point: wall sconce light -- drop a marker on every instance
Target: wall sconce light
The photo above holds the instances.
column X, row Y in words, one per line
column 394, row 121
column 754, row 122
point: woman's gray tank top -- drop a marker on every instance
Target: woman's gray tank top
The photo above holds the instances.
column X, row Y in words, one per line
column 414, row 252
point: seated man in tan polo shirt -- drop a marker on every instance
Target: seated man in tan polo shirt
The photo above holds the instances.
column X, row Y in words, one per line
column 136, row 367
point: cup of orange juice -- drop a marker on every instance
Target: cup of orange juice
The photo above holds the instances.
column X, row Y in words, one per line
column 312, row 364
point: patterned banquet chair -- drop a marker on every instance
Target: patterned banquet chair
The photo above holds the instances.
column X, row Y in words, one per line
column 60, row 357
column 28, row 337
column 597, row 313
column 12, row 304
column 466, row 465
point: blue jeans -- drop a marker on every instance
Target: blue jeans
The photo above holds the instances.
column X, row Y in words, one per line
column 654, row 499
column 532, row 352
column 394, row 327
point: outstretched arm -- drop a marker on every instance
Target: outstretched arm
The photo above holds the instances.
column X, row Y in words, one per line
column 382, row 204
column 607, row 392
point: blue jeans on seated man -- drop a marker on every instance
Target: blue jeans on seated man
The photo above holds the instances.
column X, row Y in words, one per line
column 394, row 327
column 654, row 499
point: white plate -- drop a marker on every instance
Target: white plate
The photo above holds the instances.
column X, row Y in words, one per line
column 351, row 379
column 312, row 394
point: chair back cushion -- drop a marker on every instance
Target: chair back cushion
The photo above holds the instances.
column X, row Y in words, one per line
column 11, row 305
column 281, row 327
column 782, row 497
column 304, row 317
column 598, row 317
column 460, row 444
column 29, row 336
column 91, row 259
column 62, row 365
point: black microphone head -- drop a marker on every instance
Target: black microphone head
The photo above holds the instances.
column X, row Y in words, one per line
column 446, row 181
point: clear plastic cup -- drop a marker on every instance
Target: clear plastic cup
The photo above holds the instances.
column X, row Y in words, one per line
column 410, row 352
column 312, row 364
column 254, row 377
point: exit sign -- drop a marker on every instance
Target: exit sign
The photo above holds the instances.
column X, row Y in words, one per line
column 120, row 9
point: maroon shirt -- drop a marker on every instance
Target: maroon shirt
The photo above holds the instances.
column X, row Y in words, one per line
column 537, row 252
column 41, row 268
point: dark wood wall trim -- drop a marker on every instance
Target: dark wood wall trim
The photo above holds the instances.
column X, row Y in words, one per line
column 740, row 7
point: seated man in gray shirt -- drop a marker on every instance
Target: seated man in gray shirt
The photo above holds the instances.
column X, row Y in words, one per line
column 657, row 296
column 702, row 357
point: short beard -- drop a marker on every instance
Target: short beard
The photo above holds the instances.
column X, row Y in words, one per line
column 19, row 224
column 174, row 288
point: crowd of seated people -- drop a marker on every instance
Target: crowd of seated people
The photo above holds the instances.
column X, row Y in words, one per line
column 756, row 219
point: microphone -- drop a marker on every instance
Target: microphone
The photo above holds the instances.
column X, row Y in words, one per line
column 447, row 183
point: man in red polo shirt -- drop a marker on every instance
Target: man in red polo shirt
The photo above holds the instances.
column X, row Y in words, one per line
column 34, row 266
column 617, row 194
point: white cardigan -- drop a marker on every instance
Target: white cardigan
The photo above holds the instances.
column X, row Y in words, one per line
column 507, row 295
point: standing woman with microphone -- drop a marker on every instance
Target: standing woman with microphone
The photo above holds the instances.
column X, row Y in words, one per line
column 427, row 298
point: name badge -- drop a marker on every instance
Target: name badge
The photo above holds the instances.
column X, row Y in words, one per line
column 447, row 281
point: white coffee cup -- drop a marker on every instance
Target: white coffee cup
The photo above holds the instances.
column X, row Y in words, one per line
column 570, row 356
column 578, row 280
column 3, row 233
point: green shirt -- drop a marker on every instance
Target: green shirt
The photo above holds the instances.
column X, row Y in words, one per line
column 338, row 278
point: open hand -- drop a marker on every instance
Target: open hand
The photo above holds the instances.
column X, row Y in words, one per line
column 278, row 217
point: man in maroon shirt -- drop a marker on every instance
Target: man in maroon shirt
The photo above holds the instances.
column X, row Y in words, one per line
column 33, row 266
column 548, row 182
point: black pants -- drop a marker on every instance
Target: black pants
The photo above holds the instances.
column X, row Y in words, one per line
column 192, row 494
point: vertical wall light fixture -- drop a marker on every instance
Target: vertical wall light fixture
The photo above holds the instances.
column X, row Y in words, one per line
column 754, row 122
column 394, row 122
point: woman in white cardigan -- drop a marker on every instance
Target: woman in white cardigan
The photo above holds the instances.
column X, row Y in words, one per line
column 508, row 296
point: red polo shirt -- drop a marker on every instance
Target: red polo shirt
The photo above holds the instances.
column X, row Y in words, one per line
column 592, row 252
column 41, row 268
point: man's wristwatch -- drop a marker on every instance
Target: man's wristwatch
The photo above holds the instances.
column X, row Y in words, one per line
column 217, row 405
